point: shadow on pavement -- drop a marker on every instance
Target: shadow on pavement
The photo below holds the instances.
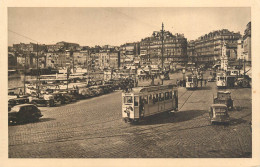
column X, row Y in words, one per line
column 44, row 120
column 177, row 117
column 33, row 121
column 237, row 121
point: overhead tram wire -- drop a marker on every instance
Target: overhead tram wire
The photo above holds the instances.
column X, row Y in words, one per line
column 22, row 35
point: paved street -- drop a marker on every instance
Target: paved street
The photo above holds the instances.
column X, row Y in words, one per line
column 93, row 128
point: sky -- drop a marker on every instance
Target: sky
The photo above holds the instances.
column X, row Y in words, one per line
column 116, row 26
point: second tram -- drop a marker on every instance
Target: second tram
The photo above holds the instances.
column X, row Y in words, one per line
column 221, row 80
column 142, row 102
column 191, row 82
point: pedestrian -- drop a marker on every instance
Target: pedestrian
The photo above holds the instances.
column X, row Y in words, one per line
column 177, row 82
column 205, row 81
column 201, row 83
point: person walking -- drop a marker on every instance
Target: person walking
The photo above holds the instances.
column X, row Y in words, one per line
column 205, row 82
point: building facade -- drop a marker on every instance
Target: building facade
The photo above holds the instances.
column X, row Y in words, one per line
column 128, row 52
column 208, row 47
column 247, row 42
column 174, row 50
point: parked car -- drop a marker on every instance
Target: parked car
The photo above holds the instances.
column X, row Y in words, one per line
column 224, row 97
column 24, row 113
column 218, row 113
column 21, row 100
column 69, row 97
column 11, row 103
column 58, row 98
column 97, row 90
column 41, row 102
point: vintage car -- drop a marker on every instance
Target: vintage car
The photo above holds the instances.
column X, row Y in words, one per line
column 24, row 113
column 218, row 113
column 224, row 97
column 11, row 103
column 58, row 98
column 97, row 90
column 43, row 102
column 69, row 97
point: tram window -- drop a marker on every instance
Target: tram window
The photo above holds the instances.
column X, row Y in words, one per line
column 155, row 98
column 161, row 96
column 170, row 95
column 145, row 99
column 150, row 99
column 128, row 99
column 166, row 95
column 136, row 101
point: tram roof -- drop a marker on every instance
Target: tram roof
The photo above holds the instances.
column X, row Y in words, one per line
column 152, row 88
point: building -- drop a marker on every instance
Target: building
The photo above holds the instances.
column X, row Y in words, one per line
column 128, row 52
column 192, row 57
column 175, row 48
column 52, row 60
column 240, row 48
column 208, row 47
column 81, row 58
column 114, row 60
column 12, row 60
column 247, row 42
column 68, row 46
column 31, row 47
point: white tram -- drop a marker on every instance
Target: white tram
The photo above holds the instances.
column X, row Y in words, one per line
column 191, row 81
column 221, row 80
column 142, row 102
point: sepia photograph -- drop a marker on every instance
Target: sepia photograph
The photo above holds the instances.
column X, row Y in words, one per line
column 129, row 82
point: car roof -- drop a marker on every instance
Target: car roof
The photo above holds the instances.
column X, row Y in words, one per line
column 218, row 105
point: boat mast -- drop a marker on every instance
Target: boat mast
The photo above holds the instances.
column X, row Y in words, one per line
column 162, row 38
column 38, row 78
column 24, row 79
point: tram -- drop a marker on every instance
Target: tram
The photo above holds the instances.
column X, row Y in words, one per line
column 142, row 102
column 191, row 81
column 221, row 80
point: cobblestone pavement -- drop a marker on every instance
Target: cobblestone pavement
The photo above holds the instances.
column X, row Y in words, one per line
column 93, row 128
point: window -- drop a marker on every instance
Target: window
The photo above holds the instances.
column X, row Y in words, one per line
column 145, row 99
column 155, row 98
column 166, row 95
column 128, row 99
column 170, row 95
column 150, row 98
column 161, row 96
column 136, row 101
